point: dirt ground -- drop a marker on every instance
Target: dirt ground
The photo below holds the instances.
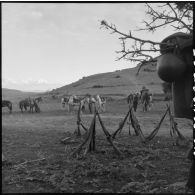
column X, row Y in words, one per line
column 158, row 166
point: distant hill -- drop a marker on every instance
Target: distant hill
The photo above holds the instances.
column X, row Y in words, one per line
column 15, row 95
column 117, row 83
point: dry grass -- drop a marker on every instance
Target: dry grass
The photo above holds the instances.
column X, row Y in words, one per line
column 151, row 167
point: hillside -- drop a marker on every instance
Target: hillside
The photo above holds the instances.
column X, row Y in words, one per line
column 120, row 83
column 15, row 95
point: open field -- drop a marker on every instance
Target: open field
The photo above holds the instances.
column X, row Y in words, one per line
column 158, row 166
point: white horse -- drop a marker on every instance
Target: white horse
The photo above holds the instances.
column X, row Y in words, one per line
column 97, row 102
column 71, row 103
column 100, row 103
column 75, row 101
column 64, row 102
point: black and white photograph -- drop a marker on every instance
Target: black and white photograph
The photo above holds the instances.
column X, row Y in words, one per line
column 97, row 97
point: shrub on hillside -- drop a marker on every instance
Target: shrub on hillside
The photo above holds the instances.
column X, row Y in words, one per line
column 97, row 86
column 148, row 70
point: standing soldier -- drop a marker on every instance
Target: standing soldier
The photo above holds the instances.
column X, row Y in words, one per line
column 135, row 101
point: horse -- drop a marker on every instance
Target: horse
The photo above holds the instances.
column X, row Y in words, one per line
column 38, row 99
column 29, row 102
column 130, row 98
column 95, row 102
column 8, row 104
column 73, row 101
column 100, row 103
column 64, row 101
column 24, row 104
column 33, row 104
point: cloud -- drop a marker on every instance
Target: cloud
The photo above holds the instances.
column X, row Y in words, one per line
column 36, row 14
column 30, row 81
column 8, row 81
column 29, row 84
column 33, row 81
column 42, row 81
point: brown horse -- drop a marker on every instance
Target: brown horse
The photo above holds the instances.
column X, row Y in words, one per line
column 38, row 99
column 29, row 102
column 33, row 105
column 23, row 104
column 8, row 104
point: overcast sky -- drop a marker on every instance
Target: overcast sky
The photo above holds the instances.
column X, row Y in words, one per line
column 49, row 45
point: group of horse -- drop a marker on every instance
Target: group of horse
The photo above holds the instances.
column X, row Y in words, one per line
column 87, row 102
column 144, row 98
column 32, row 103
column 90, row 102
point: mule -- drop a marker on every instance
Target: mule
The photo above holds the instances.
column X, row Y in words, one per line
column 8, row 104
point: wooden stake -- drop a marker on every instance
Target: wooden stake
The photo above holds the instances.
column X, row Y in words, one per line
column 87, row 138
column 108, row 136
column 174, row 124
column 121, row 125
column 93, row 135
column 90, row 142
column 154, row 132
column 83, row 126
column 129, row 124
column 136, row 126
column 78, row 131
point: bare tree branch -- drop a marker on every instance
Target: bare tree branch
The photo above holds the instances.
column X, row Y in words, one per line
column 177, row 15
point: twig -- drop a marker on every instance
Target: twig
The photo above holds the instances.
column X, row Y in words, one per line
column 31, row 161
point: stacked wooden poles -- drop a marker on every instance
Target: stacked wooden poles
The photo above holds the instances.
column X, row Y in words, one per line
column 90, row 143
column 121, row 125
column 174, row 131
column 90, row 138
column 91, row 132
column 154, row 132
column 129, row 123
column 87, row 139
column 108, row 136
column 136, row 126
column 79, row 123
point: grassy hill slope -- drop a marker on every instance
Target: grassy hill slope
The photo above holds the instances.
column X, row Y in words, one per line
column 15, row 95
column 118, row 83
column 115, row 83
